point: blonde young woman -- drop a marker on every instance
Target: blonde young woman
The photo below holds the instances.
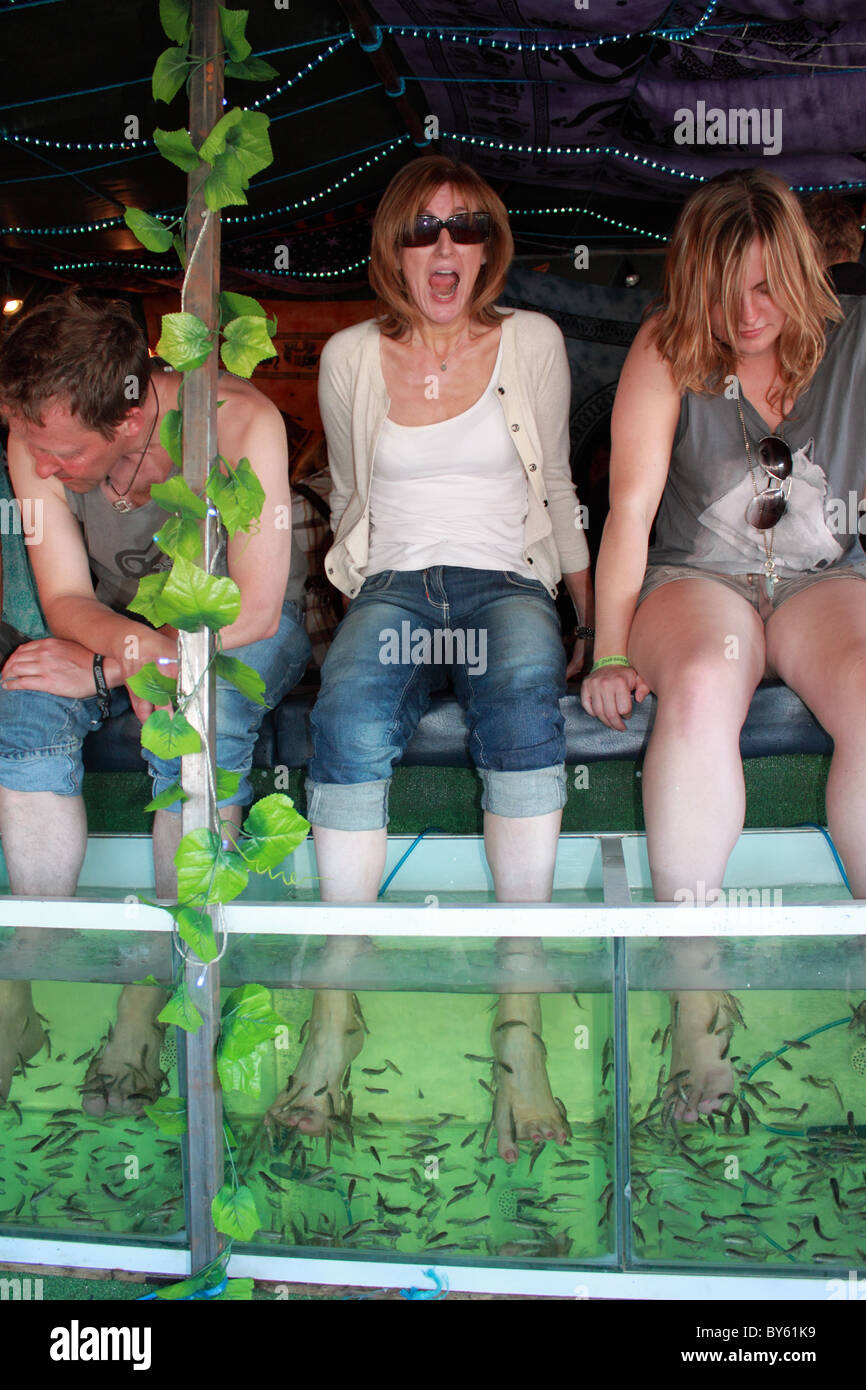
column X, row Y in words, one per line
column 740, row 417
column 447, row 427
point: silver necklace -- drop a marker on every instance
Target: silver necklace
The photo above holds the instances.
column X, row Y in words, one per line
column 770, row 575
column 121, row 504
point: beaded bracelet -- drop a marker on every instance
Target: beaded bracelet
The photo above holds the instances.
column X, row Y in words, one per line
column 609, row 661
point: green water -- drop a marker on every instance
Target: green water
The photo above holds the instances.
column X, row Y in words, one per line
column 115, row 1176
column 774, row 1184
column 782, row 1179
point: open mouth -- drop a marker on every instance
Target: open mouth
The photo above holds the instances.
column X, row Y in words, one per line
column 444, row 284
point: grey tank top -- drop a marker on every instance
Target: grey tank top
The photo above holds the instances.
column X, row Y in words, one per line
column 701, row 518
column 121, row 548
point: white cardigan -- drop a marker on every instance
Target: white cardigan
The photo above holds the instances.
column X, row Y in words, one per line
column 534, row 392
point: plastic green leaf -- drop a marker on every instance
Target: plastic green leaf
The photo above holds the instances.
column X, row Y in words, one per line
column 185, row 343
column 247, row 1021
column 253, row 70
column 169, row 737
column 170, row 73
column 237, row 495
column 181, row 1011
column 153, row 234
column 177, row 147
column 207, row 873
column 233, row 23
column 275, row 829
column 235, row 1213
column 221, row 191
column 168, row 1114
column 215, row 142
column 174, row 18
column 148, row 980
column 247, row 1073
column 175, row 495
column 233, row 306
column 152, row 685
column 179, row 536
column 234, row 1290
column 180, row 250
column 192, row 597
column 167, row 798
column 247, row 342
column 243, row 677
column 171, row 436
column 147, row 597
column 227, row 783
column 249, row 141
column 196, row 929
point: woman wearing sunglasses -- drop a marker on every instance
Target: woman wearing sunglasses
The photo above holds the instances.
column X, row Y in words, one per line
column 739, row 420
column 447, row 427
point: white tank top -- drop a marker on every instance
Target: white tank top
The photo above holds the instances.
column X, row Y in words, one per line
column 453, row 493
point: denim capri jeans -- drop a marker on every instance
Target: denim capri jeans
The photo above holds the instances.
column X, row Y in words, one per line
column 498, row 634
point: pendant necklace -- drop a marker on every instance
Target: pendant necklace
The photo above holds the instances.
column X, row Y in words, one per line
column 770, row 575
column 121, row 504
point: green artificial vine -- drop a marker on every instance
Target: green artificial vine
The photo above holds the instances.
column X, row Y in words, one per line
column 187, row 597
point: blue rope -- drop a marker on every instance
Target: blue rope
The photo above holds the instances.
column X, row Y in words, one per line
column 401, row 862
column 813, row 825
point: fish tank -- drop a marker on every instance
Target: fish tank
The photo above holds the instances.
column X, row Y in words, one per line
column 495, row 1096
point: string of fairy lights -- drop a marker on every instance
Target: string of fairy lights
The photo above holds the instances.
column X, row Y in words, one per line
column 376, row 154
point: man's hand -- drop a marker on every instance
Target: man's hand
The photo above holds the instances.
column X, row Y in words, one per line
column 51, row 664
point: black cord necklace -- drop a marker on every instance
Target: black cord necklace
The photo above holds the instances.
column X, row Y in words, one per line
column 121, row 505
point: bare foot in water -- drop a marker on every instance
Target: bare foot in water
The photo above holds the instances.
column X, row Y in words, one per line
column 702, row 1022
column 125, row 1075
column 313, row 1100
column 524, row 1108
column 21, row 1033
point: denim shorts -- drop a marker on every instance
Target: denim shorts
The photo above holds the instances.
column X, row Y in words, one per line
column 41, row 735
column 751, row 587
column 497, row 633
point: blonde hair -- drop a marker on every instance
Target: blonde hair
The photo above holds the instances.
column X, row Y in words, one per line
column 406, row 196
column 706, row 265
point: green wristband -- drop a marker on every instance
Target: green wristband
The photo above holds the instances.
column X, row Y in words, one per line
column 610, row 661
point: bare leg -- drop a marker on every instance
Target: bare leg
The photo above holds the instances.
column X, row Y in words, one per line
column 350, row 864
column 521, row 852
column 700, row 647
column 817, row 642
column 44, row 840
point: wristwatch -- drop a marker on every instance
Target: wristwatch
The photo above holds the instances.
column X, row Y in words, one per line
column 103, row 694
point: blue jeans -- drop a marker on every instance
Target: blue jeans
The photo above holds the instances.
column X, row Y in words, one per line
column 41, row 735
column 499, row 635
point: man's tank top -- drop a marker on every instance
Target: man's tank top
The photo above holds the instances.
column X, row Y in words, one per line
column 701, row 519
column 121, row 547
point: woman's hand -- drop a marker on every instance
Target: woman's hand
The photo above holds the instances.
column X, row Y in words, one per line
column 607, row 694
column 52, row 664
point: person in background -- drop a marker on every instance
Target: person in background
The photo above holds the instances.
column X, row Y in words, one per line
column 455, row 515
column 840, row 236
column 82, row 458
column 738, row 425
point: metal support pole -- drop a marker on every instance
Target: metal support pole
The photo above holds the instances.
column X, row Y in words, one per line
column 203, row 1145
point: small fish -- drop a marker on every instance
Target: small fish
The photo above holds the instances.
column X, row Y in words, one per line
column 796, row 1042
column 468, row 1139
column 41, row 1143
column 374, row 1071
column 375, row 1154
column 816, row 1227
column 52, row 1087
column 834, row 1188
column 482, row 1082
column 374, row 1119
column 377, row 1090
column 13, row 1105
column 82, row 1057
column 393, row 1066
column 473, row 1057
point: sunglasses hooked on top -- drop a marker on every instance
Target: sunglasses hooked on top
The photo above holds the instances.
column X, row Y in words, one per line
column 768, row 507
column 464, row 229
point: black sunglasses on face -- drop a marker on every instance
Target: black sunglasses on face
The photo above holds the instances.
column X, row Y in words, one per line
column 464, row 228
column 765, row 510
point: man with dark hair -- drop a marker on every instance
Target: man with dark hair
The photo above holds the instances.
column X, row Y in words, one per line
column 84, row 404
column 837, row 227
